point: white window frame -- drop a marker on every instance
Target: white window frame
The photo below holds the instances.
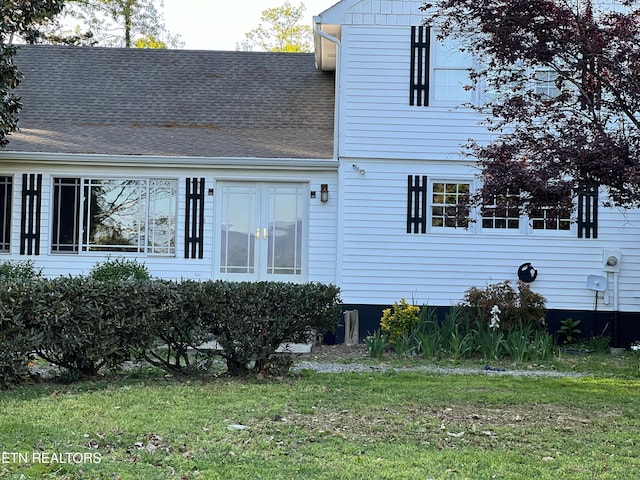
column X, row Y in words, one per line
column 5, row 228
column 473, row 94
column 430, row 206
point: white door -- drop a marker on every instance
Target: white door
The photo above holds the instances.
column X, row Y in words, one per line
column 261, row 231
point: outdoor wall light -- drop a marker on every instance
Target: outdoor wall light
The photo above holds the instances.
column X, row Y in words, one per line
column 359, row 169
column 324, row 193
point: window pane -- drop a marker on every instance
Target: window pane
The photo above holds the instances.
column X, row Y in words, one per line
column 445, row 208
column 115, row 215
column 549, row 218
column 5, row 213
column 503, row 216
column 66, row 215
column 451, row 85
column 285, row 230
column 162, row 217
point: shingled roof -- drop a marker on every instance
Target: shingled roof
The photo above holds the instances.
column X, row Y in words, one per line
column 173, row 102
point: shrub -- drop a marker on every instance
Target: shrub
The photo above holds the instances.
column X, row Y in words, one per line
column 178, row 324
column 119, row 269
column 251, row 320
column 521, row 307
column 23, row 270
column 19, row 336
column 89, row 324
column 399, row 320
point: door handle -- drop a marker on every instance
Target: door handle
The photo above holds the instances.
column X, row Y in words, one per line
column 257, row 234
column 264, row 233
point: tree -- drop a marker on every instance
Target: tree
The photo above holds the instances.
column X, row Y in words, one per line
column 280, row 31
column 21, row 18
column 564, row 83
column 114, row 23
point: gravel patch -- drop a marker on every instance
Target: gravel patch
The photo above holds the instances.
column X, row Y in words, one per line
column 487, row 370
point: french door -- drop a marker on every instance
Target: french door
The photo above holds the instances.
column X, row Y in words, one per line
column 261, row 231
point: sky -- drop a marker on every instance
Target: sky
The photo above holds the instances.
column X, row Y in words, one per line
column 221, row 24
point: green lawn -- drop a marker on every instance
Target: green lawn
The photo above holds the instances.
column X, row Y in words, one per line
column 143, row 425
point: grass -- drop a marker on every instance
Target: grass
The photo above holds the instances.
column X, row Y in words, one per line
column 144, row 425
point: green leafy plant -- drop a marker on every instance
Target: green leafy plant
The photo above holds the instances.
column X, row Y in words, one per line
column 119, row 269
column 517, row 343
column 569, row 329
column 426, row 335
column 22, row 270
column 489, row 342
column 399, row 320
column 250, row 320
column 19, row 334
column 88, row 324
column 376, row 343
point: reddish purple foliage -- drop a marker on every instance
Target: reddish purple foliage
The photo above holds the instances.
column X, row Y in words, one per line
column 588, row 132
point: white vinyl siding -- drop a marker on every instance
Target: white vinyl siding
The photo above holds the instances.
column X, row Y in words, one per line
column 381, row 263
column 376, row 120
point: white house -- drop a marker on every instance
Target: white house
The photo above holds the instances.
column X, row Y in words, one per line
column 340, row 166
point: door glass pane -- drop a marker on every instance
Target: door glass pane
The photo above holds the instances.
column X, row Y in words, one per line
column 285, row 230
column 238, row 224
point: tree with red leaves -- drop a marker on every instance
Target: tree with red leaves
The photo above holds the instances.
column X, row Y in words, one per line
column 563, row 79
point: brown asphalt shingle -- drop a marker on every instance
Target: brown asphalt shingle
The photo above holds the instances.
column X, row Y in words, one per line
column 173, row 102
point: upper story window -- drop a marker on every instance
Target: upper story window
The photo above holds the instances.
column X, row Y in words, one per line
column 114, row 215
column 439, row 71
column 6, row 188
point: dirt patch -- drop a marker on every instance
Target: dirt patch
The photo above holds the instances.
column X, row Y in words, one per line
column 337, row 353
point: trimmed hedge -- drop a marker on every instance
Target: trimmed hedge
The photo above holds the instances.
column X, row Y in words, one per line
column 83, row 324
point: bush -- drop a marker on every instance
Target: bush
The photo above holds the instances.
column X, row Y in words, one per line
column 399, row 320
column 523, row 307
column 119, row 269
column 19, row 335
column 251, row 320
column 179, row 326
column 24, row 270
column 89, row 324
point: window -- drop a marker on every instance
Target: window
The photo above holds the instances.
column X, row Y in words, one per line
column 450, row 74
column 6, row 188
column 546, row 83
column 446, row 201
column 550, row 218
column 114, row 215
column 501, row 215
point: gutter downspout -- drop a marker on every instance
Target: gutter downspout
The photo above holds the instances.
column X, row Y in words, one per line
column 336, row 108
column 336, row 155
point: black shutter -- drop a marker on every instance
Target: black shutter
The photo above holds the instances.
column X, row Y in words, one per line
column 419, row 82
column 194, row 219
column 30, row 215
column 416, row 204
column 588, row 213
